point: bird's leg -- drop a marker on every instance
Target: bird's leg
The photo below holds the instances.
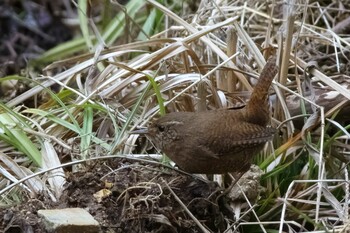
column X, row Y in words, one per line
column 235, row 178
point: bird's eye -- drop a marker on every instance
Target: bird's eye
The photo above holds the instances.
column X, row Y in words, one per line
column 161, row 128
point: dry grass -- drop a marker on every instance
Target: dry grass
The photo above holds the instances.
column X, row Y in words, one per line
column 194, row 65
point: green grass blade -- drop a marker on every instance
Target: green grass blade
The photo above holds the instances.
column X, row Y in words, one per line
column 87, row 131
column 13, row 132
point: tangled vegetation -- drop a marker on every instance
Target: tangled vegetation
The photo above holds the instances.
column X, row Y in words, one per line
column 75, row 104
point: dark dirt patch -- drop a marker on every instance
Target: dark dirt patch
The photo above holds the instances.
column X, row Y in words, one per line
column 140, row 200
column 28, row 28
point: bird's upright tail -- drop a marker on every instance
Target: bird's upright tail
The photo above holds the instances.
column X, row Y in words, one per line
column 257, row 109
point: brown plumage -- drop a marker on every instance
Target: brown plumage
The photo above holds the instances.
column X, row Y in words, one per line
column 218, row 141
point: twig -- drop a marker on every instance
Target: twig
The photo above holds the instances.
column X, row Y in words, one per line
column 205, row 230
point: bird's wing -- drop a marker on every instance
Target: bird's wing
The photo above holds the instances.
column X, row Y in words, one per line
column 225, row 140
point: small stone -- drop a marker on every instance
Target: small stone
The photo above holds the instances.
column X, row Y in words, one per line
column 249, row 184
column 69, row 220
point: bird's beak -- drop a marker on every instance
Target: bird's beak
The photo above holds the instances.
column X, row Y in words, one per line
column 139, row 131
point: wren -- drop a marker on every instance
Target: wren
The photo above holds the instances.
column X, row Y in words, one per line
column 217, row 141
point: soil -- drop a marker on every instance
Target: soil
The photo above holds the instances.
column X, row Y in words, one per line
column 137, row 198
column 28, row 29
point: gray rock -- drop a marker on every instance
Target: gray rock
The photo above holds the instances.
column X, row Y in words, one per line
column 70, row 220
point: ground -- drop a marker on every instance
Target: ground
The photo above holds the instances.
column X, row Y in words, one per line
column 137, row 198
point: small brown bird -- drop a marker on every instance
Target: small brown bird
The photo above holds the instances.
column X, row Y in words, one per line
column 217, row 141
